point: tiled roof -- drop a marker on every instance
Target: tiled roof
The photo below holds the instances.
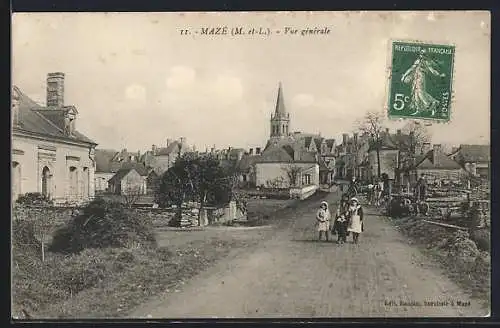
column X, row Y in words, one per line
column 37, row 119
column 443, row 162
column 330, row 143
column 474, row 153
column 275, row 154
column 103, row 160
column 247, row 161
column 171, row 148
column 120, row 174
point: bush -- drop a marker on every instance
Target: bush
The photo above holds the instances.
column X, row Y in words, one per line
column 103, row 224
column 33, row 198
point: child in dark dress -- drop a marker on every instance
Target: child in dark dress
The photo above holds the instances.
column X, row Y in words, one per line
column 341, row 220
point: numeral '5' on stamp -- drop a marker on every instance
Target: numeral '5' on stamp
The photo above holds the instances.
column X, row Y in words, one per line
column 421, row 81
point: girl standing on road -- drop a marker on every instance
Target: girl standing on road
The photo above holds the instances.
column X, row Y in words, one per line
column 341, row 220
column 356, row 219
column 323, row 220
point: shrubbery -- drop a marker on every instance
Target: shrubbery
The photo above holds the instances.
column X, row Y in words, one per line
column 103, row 224
column 33, row 198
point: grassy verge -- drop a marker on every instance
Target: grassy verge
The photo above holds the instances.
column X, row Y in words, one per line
column 107, row 283
column 459, row 256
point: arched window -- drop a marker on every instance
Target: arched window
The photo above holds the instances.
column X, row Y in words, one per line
column 46, row 175
column 16, row 180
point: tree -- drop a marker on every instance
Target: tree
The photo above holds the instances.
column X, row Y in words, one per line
column 195, row 178
column 372, row 126
column 414, row 136
column 132, row 194
column 292, row 172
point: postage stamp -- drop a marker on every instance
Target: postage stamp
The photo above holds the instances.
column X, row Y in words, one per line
column 421, row 80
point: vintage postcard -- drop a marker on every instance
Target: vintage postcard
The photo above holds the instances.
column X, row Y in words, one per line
column 251, row 165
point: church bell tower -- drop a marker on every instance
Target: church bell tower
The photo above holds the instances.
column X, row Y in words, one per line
column 280, row 120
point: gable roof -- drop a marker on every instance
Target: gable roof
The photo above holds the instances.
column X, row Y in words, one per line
column 474, row 153
column 122, row 173
column 45, row 121
column 103, row 159
column 247, row 161
column 439, row 161
column 275, row 154
column 330, row 143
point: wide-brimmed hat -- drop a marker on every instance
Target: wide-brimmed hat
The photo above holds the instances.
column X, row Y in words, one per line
column 354, row 199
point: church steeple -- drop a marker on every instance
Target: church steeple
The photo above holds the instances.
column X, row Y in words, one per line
column 280, row 103
column 280, row 121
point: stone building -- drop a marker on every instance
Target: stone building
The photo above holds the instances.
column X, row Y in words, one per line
column 129, row 181
column 286, row 150
column 49, row 155
column 436, row 166
column 475, row 159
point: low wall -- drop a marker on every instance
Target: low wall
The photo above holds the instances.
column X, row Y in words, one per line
column 303, row 193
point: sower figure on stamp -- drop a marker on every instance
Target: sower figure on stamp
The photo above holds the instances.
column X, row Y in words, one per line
column 416, row 76
column 323, row 220
column 355, row 219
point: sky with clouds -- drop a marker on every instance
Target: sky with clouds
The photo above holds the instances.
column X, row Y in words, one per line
column 136, row 81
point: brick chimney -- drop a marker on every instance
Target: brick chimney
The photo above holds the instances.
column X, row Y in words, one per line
column 345, row 136
column 250, row 152
column 154, row 149
column 398, row 132
column 355, row 137
column 169, row 141
column 55, row 90
column 257, row 151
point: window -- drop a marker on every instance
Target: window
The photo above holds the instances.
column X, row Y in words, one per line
column 73, row 182
column 86, row 184
column 46, row 179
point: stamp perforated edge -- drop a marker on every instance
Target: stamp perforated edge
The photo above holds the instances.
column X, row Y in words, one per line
column 389, row 58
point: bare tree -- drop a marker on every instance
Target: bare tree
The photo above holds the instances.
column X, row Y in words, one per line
column 132, row 194
column 292, row 172
column 372, row 125
column 414, row 135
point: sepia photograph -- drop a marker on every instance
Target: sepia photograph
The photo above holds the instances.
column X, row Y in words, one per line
column 250, row 165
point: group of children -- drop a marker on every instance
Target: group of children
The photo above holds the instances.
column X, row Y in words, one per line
column 348, row 219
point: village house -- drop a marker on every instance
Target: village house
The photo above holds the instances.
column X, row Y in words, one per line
column 129, row 180
column 475, row 159
column 305, row 153
column 163, row 158
column 285, row 167
column 436, row 166
column 246, row 168
column 108, row 162
column 49, row 156
column 388, row 155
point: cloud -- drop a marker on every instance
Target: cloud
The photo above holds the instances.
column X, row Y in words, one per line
column 180, row 77
column 303, row 100
column 135, row 92
column 227, row 89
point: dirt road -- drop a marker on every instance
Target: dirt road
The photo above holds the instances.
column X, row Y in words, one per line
column 291, row 275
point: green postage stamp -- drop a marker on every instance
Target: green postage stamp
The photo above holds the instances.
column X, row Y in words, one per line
column 421, row 81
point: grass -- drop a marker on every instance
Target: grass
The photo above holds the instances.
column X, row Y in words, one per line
column 107, row 283
column 145, row 273
column 463, row 262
